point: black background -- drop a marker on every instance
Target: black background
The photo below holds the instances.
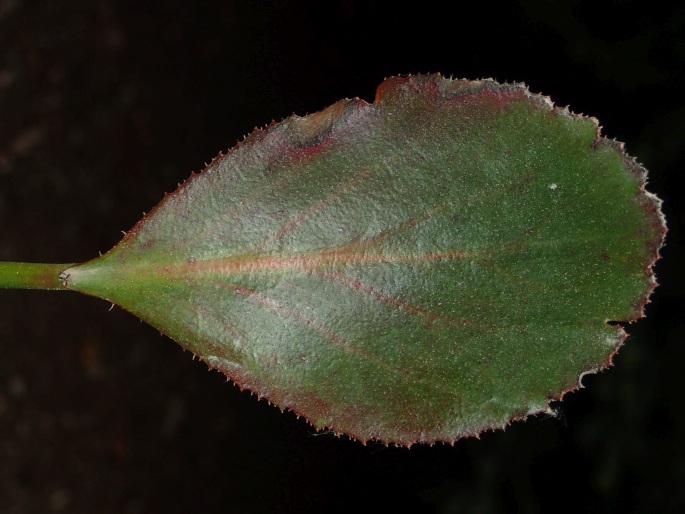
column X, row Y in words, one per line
column 105, row 105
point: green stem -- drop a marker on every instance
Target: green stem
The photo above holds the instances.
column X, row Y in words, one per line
column 24, row 275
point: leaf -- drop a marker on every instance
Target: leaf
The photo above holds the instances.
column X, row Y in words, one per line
column 423, row 268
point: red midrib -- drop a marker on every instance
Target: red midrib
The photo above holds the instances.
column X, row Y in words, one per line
column 315, row 261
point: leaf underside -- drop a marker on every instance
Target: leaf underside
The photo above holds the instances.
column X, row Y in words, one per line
column 419, row 269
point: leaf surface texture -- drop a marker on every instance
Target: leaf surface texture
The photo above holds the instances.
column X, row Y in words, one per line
column 419, row 269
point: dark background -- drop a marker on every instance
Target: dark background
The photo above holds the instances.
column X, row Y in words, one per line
column 106, row 105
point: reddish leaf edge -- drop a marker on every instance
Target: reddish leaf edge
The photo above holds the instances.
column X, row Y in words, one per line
column 312, row 129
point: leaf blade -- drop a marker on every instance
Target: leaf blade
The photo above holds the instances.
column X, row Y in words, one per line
column 389, row 270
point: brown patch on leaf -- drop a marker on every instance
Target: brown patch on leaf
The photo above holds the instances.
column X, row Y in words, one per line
column 312, row 129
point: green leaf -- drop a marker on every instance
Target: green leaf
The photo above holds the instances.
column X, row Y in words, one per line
column 419, row 269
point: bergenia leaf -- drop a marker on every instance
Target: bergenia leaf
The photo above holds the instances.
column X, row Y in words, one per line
column 419, row 269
